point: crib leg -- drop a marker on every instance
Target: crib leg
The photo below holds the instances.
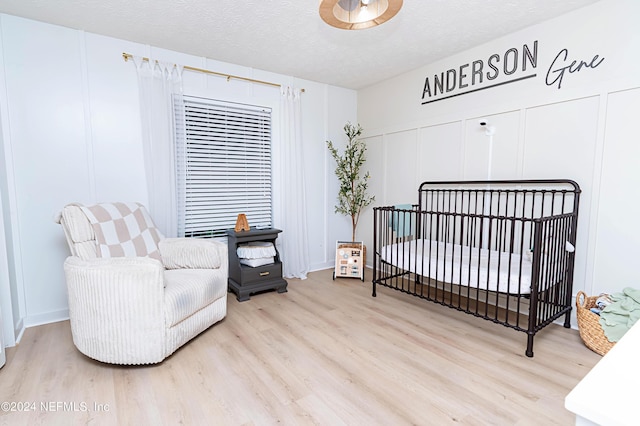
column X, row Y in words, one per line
column 529, row 351
column 567, row 320
column 374, row 289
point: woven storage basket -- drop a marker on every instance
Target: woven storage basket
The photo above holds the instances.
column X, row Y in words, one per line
column 589, row 325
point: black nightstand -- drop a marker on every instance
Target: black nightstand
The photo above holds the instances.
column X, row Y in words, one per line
column 245, row 280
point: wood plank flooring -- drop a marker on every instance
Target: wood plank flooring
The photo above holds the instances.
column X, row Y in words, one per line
column 325, row 353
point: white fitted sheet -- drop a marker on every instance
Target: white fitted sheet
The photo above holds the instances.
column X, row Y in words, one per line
column 257, row 262
column 256, row 250
column 462, row 265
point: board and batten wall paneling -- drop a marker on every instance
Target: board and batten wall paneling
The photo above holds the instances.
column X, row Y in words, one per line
column 492, row 157
column 114, row 137
column 339, row 110
column 440, row 154
column 401, row 166
column 317, row 171
column 376, row 186
column 560, row 142
column 45, row 92
column 618, row 227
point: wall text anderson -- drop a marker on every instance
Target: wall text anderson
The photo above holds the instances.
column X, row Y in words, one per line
column 514, row 63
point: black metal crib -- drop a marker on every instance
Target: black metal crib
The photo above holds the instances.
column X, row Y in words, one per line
column 501, row 250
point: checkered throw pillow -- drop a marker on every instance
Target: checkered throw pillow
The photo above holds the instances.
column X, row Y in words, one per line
column 123, row 230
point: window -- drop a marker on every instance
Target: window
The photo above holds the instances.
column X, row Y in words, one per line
column 223, row 165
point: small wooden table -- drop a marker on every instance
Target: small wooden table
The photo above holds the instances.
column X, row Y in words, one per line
column 245, row 280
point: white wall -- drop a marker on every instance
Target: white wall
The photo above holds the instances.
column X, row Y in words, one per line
column 71, row 133
column 585, row 130
column 336, row 106
column 6, row 328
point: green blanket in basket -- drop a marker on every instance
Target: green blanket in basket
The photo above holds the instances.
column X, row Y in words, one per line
column 620, row 315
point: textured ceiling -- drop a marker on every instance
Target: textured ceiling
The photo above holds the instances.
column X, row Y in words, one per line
column 288, row 37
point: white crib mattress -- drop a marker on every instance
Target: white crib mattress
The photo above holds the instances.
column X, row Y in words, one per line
column 462, row 265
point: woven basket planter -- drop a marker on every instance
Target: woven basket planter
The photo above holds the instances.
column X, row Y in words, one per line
column 589, row 325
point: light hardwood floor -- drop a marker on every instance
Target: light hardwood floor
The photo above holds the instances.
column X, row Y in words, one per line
column 324, row 353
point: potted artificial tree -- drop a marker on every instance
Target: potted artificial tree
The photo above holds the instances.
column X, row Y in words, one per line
column 352, row 196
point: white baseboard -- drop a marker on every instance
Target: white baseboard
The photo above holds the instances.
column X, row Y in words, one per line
column 321, row 266
column 46, row 318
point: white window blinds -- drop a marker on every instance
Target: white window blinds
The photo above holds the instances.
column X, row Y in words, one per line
column 223, row 165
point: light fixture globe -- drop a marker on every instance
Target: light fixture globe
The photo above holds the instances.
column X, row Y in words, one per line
column 358, row 14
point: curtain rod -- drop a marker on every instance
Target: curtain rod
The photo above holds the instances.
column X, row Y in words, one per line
column 128, row 56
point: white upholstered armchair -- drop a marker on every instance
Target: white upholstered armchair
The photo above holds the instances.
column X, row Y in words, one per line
column 134, row 296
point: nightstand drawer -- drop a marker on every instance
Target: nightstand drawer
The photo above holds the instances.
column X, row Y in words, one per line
column 261, row 273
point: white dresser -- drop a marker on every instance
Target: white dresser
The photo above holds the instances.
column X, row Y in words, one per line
column 608, row 394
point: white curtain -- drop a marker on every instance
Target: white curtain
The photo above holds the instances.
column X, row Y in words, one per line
column 158, row 82
column 289, row 188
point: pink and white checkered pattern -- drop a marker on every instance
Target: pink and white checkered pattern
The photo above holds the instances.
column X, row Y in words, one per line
column 123, row 230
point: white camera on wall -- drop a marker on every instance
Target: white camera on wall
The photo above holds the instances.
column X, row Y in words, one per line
column 489, row 130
